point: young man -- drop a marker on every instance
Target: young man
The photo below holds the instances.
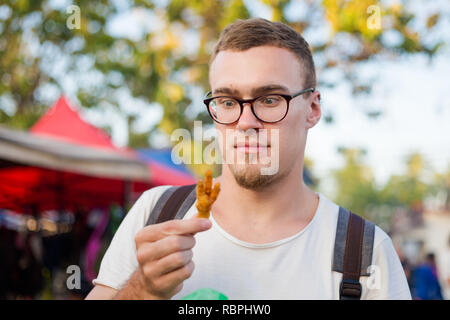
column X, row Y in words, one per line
column 269, row 236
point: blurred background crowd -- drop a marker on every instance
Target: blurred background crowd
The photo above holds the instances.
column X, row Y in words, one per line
column 90, row 92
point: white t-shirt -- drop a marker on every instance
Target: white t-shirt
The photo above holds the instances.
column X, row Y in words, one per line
column 297, row 267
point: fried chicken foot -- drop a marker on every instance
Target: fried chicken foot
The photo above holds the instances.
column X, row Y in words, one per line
column 206, row 195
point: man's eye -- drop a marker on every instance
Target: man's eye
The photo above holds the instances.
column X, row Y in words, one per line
column 269, row 101
column 227, row 103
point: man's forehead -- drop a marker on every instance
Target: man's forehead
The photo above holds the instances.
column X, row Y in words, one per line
column 255, row 70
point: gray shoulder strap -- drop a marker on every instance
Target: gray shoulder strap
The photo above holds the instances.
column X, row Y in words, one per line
column 187, row 203
column 168, row 195
column 340, row 243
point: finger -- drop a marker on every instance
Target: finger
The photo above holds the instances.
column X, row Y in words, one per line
column 159, row 231
column 173, row 261
column 177, row 288
column 208, row 182
column 167, row 285
column 170, row 281
column 152, row 251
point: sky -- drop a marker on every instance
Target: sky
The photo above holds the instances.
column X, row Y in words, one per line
column 412, row 95
column 410, row 91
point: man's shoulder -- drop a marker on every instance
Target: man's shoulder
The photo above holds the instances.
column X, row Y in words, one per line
column 142, row 208
column 153, row 194
column 381, row 236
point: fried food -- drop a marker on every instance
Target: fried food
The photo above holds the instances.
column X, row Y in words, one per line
column 206, row 195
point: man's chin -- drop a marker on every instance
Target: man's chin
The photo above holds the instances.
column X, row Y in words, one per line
column 250, row 177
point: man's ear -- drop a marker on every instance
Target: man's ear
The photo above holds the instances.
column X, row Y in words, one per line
column 314, row 110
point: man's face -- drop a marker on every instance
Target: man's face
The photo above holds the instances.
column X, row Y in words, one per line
column 243, row 74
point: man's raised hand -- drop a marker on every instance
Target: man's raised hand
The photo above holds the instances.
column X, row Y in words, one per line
column 164, row 253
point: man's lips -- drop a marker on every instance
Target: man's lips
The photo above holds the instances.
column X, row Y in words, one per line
column 250, row 148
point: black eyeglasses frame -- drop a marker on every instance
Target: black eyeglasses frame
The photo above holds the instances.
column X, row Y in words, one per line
column 241, row 102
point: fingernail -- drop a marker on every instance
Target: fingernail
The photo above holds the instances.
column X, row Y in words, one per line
column 206, row 223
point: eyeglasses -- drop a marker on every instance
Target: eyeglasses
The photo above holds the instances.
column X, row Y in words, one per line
column 269, row 108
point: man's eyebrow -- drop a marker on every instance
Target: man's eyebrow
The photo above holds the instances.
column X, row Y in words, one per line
column 254, row 91
column 225, row 90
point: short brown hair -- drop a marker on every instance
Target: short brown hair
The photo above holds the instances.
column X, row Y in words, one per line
column 242, row 35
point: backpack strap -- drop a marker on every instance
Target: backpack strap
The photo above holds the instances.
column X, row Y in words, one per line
column 352, row 252
column 173, row 204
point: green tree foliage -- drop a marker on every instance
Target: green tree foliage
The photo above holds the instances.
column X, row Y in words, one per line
column 356, row 188
column 355, row 185
column 441, row 187
column 409, row 189
column 38, row 52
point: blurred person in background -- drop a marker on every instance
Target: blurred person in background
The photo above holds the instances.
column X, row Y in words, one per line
column 407, row 267
column 425, row 280
column 447, row 269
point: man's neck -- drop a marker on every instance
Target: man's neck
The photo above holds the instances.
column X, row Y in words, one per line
column 285, row 206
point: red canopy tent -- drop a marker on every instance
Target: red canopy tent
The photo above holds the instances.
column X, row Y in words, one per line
column 54, row 124
column 63, row 122
column 90, row 171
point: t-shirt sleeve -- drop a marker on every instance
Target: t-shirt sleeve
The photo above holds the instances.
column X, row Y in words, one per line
column 120, row 261
column 387, row 280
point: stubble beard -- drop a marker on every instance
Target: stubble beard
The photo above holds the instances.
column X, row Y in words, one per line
column 249, row 176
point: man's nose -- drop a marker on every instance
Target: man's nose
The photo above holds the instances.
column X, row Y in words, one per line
column 248, row 119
